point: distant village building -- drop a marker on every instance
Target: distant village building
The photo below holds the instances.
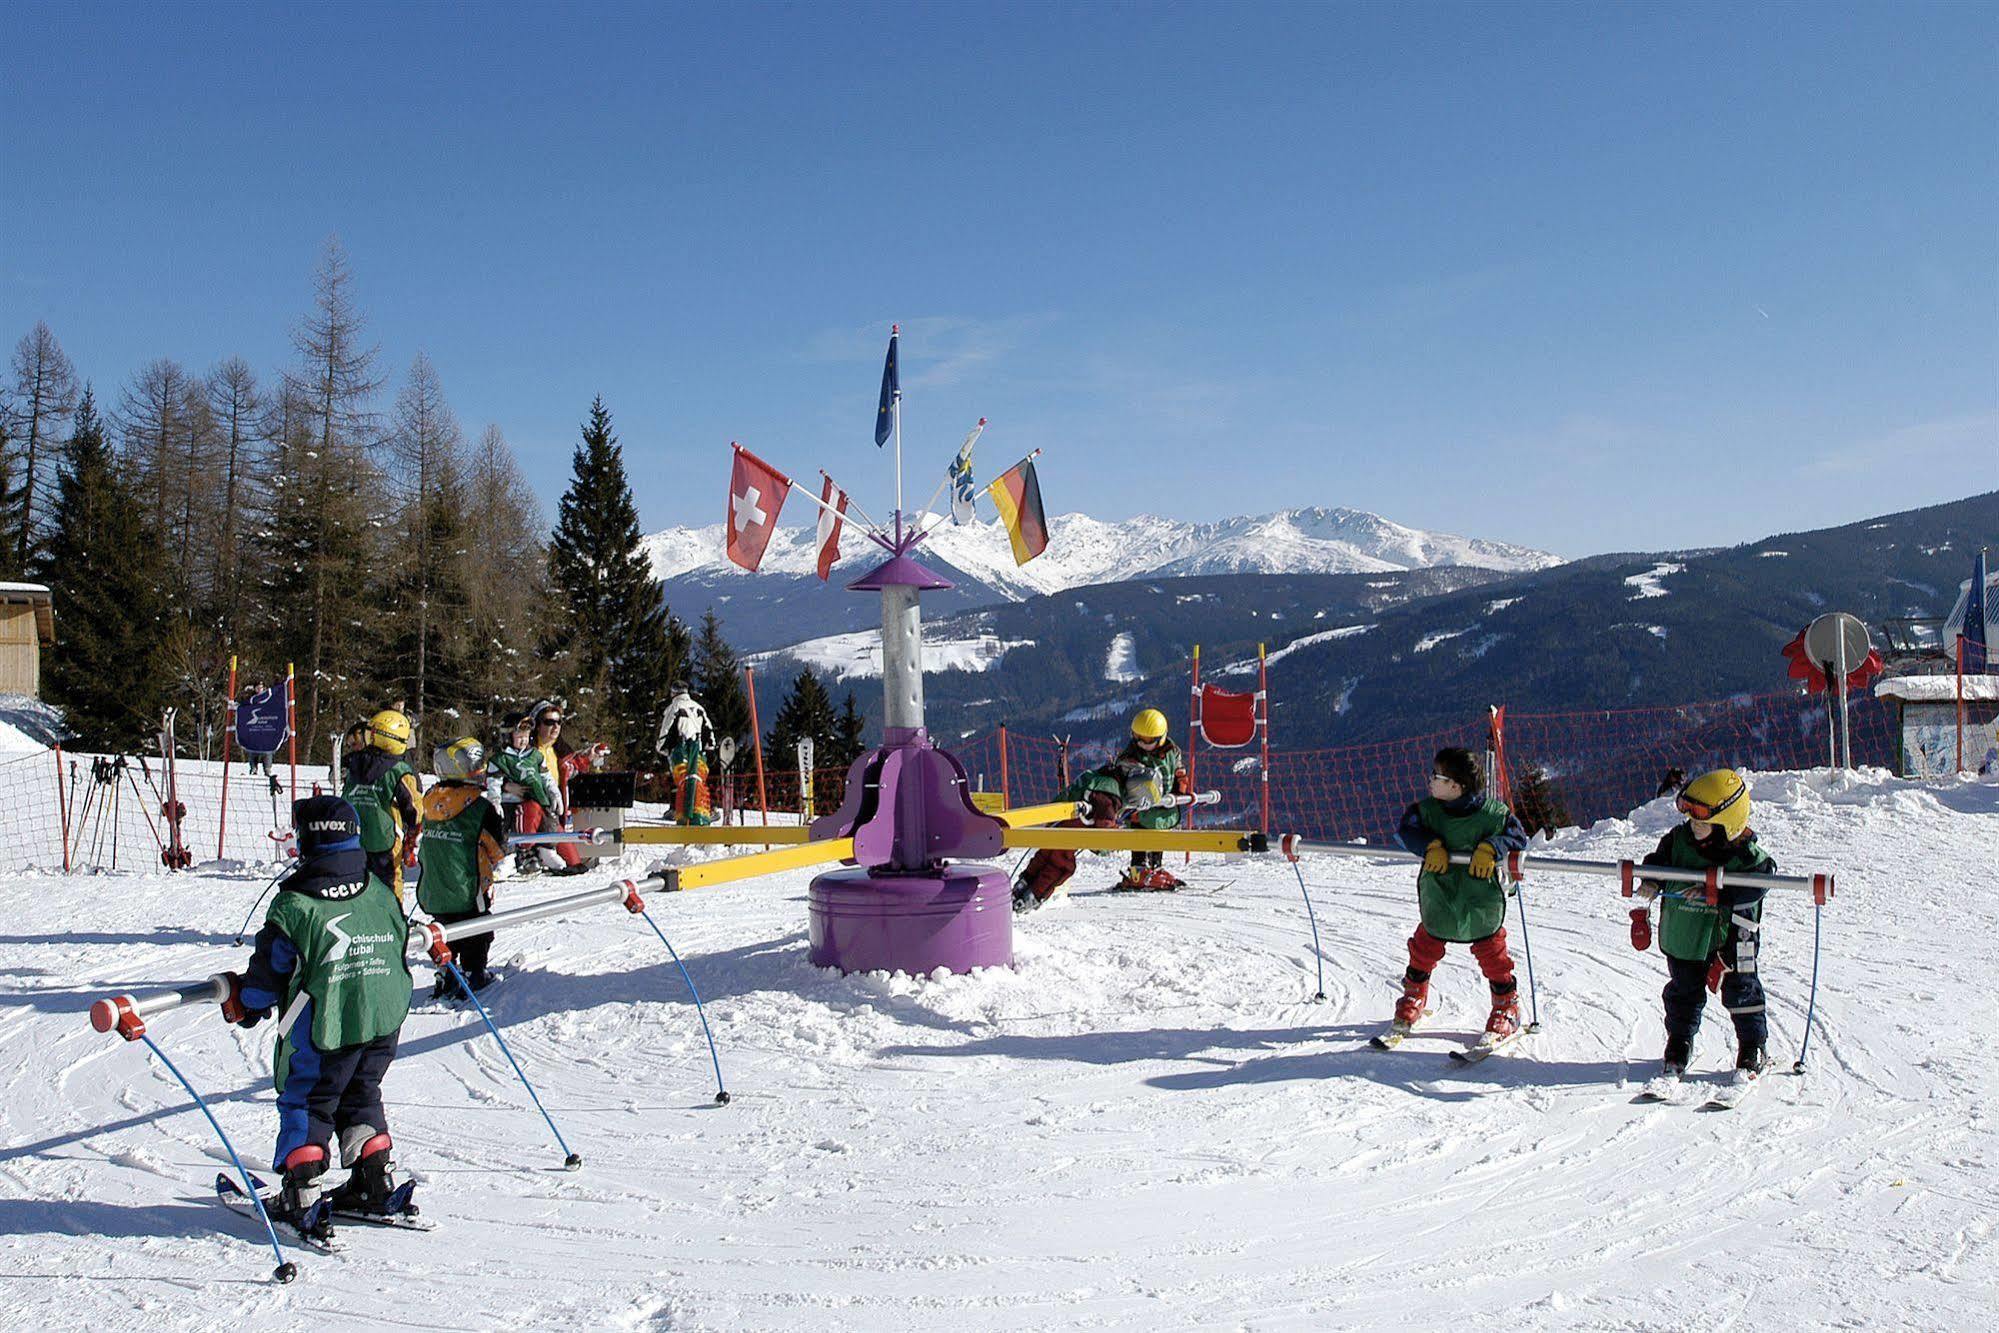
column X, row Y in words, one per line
column 27, row 625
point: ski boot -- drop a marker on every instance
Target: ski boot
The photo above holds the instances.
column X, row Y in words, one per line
column 1132, row 880
column 480, row 979
column 1504, row 1020
column 1410, row 1009
column 371, row 1175
column 1679, row 1053
column 446, row 988
column 1751, row 1060
column 301, row 1200
column 1024, row 900
column 1162, row 880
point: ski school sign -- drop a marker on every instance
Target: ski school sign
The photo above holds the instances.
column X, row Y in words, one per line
column 260, row 721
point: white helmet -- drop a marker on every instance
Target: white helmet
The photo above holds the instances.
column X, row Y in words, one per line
column 463, row 758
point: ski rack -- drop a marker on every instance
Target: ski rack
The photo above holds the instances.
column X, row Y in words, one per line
column 1629, row 874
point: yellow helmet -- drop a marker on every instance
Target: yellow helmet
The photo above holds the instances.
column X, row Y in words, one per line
column 389, row 731
column 1720, row 798
column 1149, row 725
column 463, row 758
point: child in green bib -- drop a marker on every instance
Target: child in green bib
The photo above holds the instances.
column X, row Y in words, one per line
column 1460, row 904
column 329, row 959
column 464, row 838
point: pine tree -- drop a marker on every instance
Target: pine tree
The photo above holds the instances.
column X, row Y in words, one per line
column 424, row 443
column 506, row 582
column 806, row 713
column 849, row 735
column 107, row 569
column 10, row 500
column 324, row 609
column 620, row 648
column 236, row 406
column 45, row 394
column 718, row 682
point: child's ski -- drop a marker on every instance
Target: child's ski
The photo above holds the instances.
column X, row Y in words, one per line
column 1391, row 1037
column 318, row 1236
column 1487, row 1044
column 397, row 1211
column 1733, row 1093
column 1670, row 1089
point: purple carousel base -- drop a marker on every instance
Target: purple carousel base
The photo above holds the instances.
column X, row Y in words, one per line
column 958, row 918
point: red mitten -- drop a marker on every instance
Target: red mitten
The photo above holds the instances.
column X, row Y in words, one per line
column 1714, row 971
column 1641, row 929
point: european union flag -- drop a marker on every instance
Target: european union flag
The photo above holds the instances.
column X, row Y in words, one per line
column 1974, row 647
column 891, row 390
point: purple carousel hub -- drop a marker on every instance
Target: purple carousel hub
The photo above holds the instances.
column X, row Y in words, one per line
column 909, row 806
column 957, row 917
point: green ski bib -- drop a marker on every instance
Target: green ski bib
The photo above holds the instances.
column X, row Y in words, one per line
column 1456, row 906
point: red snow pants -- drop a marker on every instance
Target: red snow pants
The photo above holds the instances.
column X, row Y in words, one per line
column 535, row 819
column 1050, row 868
column 1426, row 951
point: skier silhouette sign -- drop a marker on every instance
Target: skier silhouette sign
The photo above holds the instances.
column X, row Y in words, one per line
column 260, row 721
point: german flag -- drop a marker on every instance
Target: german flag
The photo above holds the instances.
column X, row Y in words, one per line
column 1017, row 496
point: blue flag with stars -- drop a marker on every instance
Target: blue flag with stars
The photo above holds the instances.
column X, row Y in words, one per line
column 1976, row 650
column 891, row 390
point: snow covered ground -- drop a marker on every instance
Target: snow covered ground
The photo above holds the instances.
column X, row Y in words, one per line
column 1149, row 1124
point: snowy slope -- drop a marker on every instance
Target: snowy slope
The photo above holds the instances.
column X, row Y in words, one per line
column 1083, row 550
column 1147, row 1125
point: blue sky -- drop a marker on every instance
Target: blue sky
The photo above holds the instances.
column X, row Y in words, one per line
column 1587, row 277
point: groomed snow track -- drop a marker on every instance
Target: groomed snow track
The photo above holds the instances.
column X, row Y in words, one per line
column 1147, row 1125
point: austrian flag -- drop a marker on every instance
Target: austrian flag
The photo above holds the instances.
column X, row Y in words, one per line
column 832, row 517
column 756, row 493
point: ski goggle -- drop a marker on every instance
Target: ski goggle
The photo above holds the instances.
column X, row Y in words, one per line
column 550, row 721
column 1704, row 811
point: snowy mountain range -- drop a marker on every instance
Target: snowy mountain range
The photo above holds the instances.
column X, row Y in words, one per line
column 1082, row 551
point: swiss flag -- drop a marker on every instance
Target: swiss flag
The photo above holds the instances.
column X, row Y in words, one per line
column 756, row 493
column 832, row 518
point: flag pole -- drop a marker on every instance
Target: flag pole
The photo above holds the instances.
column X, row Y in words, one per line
column 895, row 412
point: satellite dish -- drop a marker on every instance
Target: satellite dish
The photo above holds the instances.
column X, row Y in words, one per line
column 1837, row 640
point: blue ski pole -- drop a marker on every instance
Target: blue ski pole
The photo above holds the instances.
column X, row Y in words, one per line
column 1318, row 955
column 242, row 929
column 286, row 1270
column 721, row 1093
column 1811, row 1005
column 572, row 1160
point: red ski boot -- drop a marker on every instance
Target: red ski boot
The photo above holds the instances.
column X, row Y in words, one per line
column 1409, row 1010
column 1504, row 1021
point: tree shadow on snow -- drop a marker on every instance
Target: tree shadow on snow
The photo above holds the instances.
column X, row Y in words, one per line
column 1416, row 1070
column 775, row 965
column 1419, row 1072
column 158, row 935
column 1122, row 1047
column 95, row 1219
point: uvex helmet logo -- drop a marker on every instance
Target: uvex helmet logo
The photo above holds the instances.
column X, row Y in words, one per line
column 342, row 942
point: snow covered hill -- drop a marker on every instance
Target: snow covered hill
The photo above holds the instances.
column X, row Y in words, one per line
column 1083, row 550
column 1147, row 1125
column 788, row 604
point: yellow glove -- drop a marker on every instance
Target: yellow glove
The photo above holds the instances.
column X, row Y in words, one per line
column 1435, row 859
column 1485, row 861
